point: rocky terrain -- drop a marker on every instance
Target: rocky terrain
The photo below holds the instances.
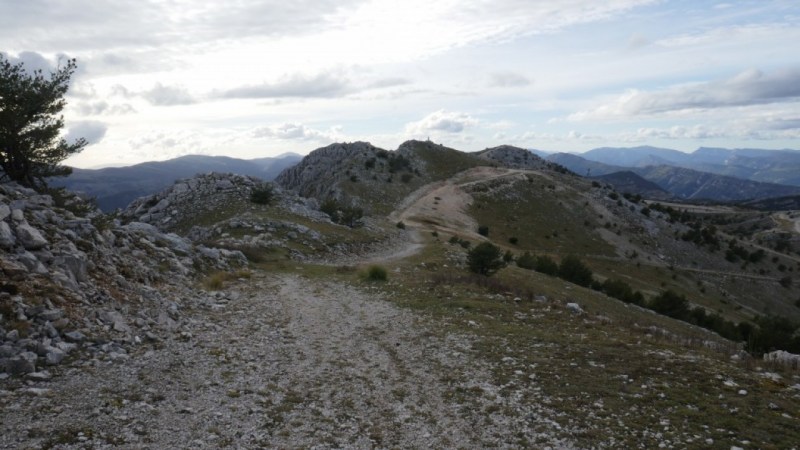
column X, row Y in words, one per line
column 515, row 157
column 82, row 282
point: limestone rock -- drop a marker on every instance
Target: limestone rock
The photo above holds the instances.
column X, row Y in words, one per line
column 30, row 237
column 7, row 239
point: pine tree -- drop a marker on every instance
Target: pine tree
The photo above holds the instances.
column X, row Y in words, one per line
column 30, row 122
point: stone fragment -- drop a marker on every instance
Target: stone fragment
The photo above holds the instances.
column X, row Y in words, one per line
column 575, row 308
column 54, row 356
column 29, row 237
column 7, row 238
column 74, row 336
column 22, row 364
column 51, row 315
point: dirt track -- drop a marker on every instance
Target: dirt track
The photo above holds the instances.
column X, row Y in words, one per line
column 285, row 362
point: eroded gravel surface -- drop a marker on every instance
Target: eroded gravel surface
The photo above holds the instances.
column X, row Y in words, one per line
column 282, row 361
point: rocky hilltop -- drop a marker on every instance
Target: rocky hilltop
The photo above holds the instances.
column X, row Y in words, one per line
column 318, row 173
column 74, row 279
column 515, row 158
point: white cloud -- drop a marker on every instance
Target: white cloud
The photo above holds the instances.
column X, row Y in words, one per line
column 297, row 85
column 103, row 107
column 92, row 131
column 296, row 131
column 161, row 95
column 751, row 87
column 441, row 122
column 508, row 79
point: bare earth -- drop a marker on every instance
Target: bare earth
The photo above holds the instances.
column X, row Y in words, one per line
column 284, row 361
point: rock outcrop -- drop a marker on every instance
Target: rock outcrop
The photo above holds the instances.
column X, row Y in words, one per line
column 515, row 158
column 319, row 173
column 73, row 278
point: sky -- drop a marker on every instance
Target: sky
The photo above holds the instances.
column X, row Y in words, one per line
column 158, row 79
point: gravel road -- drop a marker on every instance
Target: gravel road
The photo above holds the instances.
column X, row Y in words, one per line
column 281, row 361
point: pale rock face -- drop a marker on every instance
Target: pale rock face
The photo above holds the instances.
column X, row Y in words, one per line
column 7, row 238
column 30, row 237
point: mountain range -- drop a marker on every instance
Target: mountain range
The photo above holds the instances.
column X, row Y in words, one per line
column 768, row 166
column 116, row 187
column 705, row 174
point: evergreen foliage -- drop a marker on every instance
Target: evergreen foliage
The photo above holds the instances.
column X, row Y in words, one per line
column 485, row 259
column 574, row 270
column 30, row 123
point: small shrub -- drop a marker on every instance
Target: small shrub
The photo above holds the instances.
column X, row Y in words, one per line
column 526, row 261
column 574, row 270
column 215, row 281
column 406, row 177
column 262, row 195
column 483, row 230
column 513, row 240
column 671, row 304
column 401, row 225
column 453, row 240
column 485, row 259
column 508, row 257
column 376, row 273
column 546, row 265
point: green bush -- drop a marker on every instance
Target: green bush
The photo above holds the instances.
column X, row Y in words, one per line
column 485, row 259
column 340, row 213
column 263, row 194
column 574, row 270
column 513, row 240
column 406, row 177
column 483, row 230
column 526, row 261
column 401, row 225
column 622, row 291
column 546, row 265
column 670, row 303
column 376, row 273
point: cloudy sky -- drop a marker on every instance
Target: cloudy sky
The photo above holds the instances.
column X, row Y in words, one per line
column 252, row 78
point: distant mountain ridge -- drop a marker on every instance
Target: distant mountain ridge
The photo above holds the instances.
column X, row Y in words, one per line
column 681, row 182
column 116, row 187
column 768, row 166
